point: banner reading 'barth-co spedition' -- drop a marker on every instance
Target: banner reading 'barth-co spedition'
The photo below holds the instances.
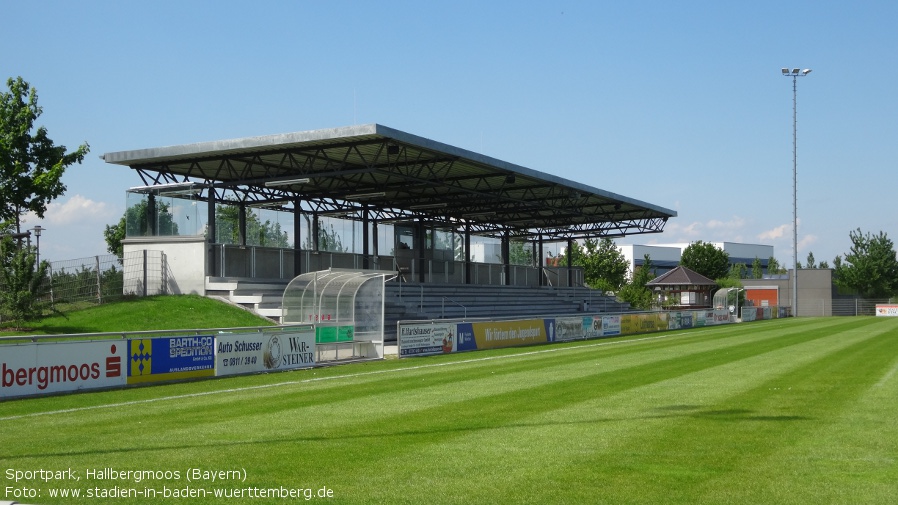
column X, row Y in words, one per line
column 52, row 367
column 170, row 358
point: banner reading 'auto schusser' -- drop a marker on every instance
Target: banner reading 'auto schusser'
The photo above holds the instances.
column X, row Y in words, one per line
column 421, row 339
column 266, row 351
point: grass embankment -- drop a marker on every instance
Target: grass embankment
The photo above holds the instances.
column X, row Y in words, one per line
column 139, row 314
column 785, row 411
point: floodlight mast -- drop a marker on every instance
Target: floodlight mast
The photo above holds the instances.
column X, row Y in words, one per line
column 795, row 73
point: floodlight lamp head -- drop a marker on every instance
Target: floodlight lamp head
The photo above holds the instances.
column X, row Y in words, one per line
column 806, row 71
column 785, row 71
column 795, row 71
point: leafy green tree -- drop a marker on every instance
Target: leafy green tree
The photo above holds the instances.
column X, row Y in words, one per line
column 520, row 253
column 706, row 259
column 773, row 266
column 265, row 234
column 328, row 239
column 738, row 271
column 870, row 268
column 134, row 223
column 757, row 271
column 604, row 265
column 114, row 234
column 23, row 286
column 811, row 262
column 31, row 165
column 823, row 264
column 635, row 292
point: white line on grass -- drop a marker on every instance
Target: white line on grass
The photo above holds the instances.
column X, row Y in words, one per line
column 888, row 375
column 345, row 376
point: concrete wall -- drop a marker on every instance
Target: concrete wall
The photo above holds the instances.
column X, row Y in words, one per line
column 815, row 291
column 184, row 261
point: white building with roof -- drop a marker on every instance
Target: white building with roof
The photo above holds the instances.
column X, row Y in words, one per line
column 666, row 257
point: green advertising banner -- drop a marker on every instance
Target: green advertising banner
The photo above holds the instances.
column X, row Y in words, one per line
column 328, row 334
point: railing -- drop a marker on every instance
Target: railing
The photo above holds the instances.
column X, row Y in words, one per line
column 443, row 307
column 275, row 263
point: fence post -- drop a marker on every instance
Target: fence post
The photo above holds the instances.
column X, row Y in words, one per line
column 52, row 300
column 99, row 287
column 144, row 251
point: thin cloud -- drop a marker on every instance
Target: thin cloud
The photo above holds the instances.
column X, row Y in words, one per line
column 75, row 210
column 778, row 232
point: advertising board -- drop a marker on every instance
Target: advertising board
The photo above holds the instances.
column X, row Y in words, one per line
column 170, row 358
column 426, row 339
column 886, row 310
column 240, row 353
column 51, row 367
column 496, row 334
column 571, row 328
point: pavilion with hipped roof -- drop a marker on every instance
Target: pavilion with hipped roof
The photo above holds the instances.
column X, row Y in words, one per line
column 682, row 288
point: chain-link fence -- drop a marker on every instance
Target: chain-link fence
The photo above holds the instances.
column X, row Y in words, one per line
column 857, row 306
column 91, row 280
column 100, row 279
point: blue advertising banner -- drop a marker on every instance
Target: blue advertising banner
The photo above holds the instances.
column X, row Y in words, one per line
column 170, row 358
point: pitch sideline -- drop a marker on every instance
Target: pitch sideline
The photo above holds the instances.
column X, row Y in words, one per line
column 345, row 376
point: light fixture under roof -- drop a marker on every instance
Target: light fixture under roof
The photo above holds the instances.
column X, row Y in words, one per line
column 424, row 206
column 365, row 196
column 485, row 213
column 171, row 189
column 285, row 182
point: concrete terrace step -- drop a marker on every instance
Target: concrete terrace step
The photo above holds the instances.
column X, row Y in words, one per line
column 262, row 296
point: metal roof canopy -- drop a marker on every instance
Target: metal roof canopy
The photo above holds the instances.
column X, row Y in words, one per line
column 394, row 176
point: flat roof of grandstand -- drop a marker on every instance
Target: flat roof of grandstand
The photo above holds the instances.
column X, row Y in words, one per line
column 389, row 175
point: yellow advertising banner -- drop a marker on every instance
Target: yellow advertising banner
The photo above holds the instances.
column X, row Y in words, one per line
column 642, row 323
column 493, row 335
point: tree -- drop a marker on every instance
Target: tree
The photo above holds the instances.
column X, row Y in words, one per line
column 114, row 234
column 520, row 253
column 635, row 292
column 31, row 165
column 773, row 266
column 757, row 271
column 738, row 271
column 705, row 258
column 136, row 220
column 328, row 239
column 23, row 283
column 604, row 265
column 265, row 234
column 870, row 268
column 811, row 262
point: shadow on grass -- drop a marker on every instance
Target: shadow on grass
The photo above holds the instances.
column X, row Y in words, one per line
column 684, row 411
column 695, row 411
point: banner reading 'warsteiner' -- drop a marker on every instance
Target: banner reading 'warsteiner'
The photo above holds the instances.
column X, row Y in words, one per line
column 263, row 352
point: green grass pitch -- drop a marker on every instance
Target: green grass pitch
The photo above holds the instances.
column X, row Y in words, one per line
column 785, row 411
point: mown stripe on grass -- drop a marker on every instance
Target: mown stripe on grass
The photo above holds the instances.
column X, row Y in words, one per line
column 478, row 436
column 593, row 424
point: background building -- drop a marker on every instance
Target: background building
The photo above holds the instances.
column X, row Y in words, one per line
column 666, row 257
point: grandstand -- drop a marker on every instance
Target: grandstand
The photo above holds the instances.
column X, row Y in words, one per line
column 392, row 201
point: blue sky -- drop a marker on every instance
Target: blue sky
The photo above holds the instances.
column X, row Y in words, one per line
column 681, row 104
